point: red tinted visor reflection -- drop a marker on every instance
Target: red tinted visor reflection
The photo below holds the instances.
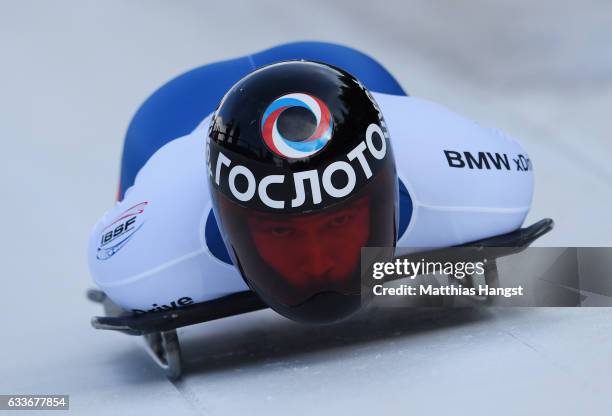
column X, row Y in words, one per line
column 295, row 256
column 313, row 250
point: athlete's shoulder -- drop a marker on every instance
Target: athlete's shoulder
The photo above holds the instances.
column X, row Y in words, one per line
column 176, row 161
column 426, row 121
column 163, row 230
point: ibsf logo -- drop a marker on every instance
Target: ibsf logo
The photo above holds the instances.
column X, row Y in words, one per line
column 116, row 235
column 296, row 125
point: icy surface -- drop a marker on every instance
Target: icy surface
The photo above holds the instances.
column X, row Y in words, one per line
column 73, row 73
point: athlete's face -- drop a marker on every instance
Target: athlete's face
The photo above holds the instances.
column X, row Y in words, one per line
column 315, row 249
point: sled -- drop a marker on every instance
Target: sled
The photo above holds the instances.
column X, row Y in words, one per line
column 159, row 328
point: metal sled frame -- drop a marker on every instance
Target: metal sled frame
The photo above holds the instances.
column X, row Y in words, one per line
column 159, row 328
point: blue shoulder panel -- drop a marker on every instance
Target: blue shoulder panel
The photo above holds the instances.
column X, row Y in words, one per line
column 174, row 110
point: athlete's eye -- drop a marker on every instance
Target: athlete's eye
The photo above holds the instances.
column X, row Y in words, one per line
column 340, row 220
column 281, row 232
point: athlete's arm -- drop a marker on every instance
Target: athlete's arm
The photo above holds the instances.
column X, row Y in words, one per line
column 156, row 235
column 465, row 182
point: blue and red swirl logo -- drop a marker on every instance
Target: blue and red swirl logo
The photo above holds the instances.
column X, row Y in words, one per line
column 296, row 125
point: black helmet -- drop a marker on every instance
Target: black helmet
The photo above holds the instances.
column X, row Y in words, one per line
column 302, row 176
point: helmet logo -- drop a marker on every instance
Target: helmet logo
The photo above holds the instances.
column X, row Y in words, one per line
column 312, row 116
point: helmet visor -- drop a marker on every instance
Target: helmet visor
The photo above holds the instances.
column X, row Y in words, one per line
column 288, row 258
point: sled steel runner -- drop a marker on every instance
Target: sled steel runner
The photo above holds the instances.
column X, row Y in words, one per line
column 159, row 328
